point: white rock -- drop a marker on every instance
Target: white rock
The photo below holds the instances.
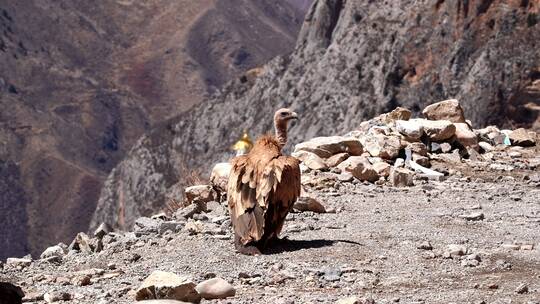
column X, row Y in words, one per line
column 475, row 216
column 220, row 175
column 410, row 129
column 53, row 251
column 215, row 288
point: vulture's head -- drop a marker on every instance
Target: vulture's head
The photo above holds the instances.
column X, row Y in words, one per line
column 283, row 116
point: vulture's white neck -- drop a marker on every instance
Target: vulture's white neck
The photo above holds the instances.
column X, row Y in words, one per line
column 281, row 132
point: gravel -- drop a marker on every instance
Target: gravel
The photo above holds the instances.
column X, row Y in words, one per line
column 383, row 243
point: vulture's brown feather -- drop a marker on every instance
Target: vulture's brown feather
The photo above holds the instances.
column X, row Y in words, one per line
column 263, row 186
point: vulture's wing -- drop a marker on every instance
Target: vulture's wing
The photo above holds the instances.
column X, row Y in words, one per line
column 285, row 192
column 245, row 214
column 257, row 188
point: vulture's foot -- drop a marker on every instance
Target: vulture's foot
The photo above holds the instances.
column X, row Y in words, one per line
column 278, row 242
column 246, row 249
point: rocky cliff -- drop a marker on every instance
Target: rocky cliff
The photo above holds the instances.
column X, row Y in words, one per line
column 353, row 59
column 81, row 81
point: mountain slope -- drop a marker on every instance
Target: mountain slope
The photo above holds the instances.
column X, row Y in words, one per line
column 81, row 81
column 353, row 59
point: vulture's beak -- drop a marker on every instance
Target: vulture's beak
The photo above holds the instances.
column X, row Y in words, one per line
column 294, row 116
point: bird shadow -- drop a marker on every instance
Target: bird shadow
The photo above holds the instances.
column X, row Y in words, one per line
column 287, row 245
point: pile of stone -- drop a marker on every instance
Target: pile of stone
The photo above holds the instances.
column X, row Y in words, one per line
column 395, row 147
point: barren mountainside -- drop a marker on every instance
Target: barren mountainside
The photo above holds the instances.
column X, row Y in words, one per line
column 353, row 59
column 81, row 81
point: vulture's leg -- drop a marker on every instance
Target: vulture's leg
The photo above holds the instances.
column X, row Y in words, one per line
column 245, row 249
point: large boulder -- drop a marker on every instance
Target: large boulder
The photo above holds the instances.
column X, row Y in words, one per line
column 466, row 136
column 449, row 110
column 522, row 137
column 359, row 167
column 166, row 285
column 386, row 147
column 325, row 147
column 437, row 130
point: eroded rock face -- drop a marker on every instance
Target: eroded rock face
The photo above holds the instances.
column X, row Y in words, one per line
column 353, row 60
column 83, row 81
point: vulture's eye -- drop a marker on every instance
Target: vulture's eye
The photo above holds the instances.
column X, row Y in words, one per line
column 283, row 113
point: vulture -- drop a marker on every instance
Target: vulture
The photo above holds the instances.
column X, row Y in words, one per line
column 262, row 188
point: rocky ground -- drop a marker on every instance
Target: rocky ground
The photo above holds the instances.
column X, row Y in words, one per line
column 352, row 60
column 468, row 237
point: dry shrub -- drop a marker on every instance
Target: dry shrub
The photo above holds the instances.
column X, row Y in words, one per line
column 192, row 177
column 173, row 205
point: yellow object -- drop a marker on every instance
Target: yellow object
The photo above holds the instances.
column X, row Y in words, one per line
column 243, row 145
